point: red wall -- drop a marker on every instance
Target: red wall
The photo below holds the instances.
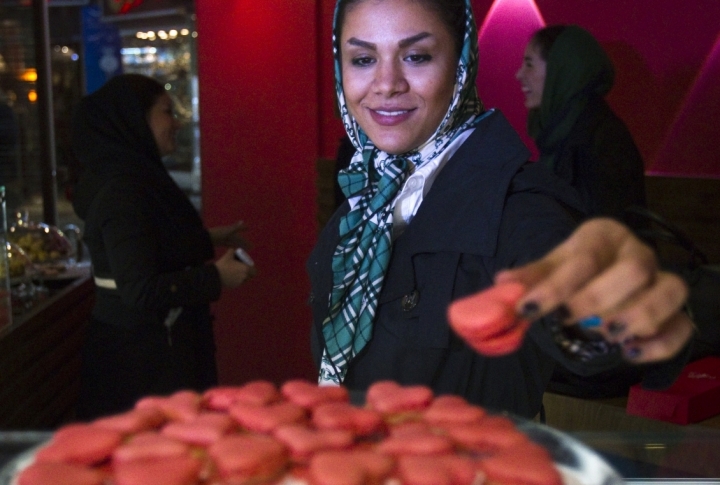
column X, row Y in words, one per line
column 259, row 140
column 266, row 108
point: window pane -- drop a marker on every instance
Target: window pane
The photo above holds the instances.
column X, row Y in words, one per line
column 19, row 136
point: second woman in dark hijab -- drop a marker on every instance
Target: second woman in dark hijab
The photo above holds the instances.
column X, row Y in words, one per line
column 151, row 328
column 565, row 76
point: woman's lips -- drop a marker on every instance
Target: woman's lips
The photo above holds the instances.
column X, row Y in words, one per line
column 389, row 117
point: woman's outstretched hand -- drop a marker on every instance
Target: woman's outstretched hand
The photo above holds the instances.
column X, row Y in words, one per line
column 604, row 274
column 229, row 236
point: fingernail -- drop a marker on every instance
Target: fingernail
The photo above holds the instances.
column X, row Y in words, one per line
column 561, row 313
column 616, row 328
column 530, row 310
column 590, row 322
column 632, row 352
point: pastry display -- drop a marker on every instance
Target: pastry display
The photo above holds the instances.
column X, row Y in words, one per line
column 41, row 242
column 19, row 263
column 294, row 434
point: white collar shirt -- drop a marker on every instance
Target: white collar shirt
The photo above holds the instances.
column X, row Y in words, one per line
column 418, row 184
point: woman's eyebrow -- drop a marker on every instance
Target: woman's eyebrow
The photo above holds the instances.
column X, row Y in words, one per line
column 415, row 38
column 403, row 43
column 361, row 43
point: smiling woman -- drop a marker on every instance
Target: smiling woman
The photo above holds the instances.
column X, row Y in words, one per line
column 163, row 124
column 440, row 197
column 397, row 87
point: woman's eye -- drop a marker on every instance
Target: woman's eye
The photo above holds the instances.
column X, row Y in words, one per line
column 419, row 58
column 362, row 61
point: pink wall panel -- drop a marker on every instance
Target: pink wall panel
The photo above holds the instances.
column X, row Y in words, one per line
column 503, row 34
column 692, row 139
column 659, row 48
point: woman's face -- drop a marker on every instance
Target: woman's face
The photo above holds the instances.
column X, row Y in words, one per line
column 163, row 124
column 398, row 71
column 532, row 76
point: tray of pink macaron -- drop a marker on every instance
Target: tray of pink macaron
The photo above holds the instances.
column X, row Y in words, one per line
column 300, row 433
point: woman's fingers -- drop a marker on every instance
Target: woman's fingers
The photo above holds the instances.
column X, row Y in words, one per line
column 645, row 315
column 232, row 272
column 668, row 341
column 595, row 271
column 563, row 272
column 604, row 271
column 613, row 288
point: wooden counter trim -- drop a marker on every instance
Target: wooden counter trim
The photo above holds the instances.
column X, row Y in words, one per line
column 40, row 360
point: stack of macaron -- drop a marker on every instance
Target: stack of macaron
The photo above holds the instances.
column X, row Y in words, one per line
column 488, row 321
column 295, row 434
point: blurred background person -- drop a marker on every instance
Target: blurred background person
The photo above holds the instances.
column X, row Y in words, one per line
column 565, row 75
column 151, row 326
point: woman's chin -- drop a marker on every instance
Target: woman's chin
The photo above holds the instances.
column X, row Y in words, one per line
column 395, row 145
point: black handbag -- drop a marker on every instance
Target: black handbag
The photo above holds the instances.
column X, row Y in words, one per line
column 701, row 276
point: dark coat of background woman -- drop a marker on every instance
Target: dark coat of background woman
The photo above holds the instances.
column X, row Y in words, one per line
column 151, row 333
column 574, row 128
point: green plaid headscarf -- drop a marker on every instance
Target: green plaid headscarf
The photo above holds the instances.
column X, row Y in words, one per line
column 372, row 181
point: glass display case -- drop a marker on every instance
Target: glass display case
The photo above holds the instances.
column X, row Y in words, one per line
column 5, row 308
column 168, row 54
column 686, row 455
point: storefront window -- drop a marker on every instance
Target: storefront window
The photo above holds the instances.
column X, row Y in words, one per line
column 20, row 170
column 159, row 46
column 155, row 38
column 168, row 55
column 22, row 167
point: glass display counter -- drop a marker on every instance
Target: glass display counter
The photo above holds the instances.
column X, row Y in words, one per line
column 691, row 457
column 593, row 442
column 640, row 449
column 5, row 307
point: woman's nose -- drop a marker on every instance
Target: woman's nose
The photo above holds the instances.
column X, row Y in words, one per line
column 519, row 73
column 390, row 78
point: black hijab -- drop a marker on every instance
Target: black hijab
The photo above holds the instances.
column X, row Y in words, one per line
column 578, row 71
column 112, row 139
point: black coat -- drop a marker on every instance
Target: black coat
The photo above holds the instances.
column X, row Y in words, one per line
column 142, row 232
column 600, row 159
column 487, row 210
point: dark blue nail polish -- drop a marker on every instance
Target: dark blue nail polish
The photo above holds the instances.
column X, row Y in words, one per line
column 530, row 310
column 592, row 321
column 562, row 313
column 616, row 328
column 632, row 352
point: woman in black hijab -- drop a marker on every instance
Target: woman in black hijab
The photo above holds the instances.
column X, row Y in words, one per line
column 565, row 76
column 151, row 328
